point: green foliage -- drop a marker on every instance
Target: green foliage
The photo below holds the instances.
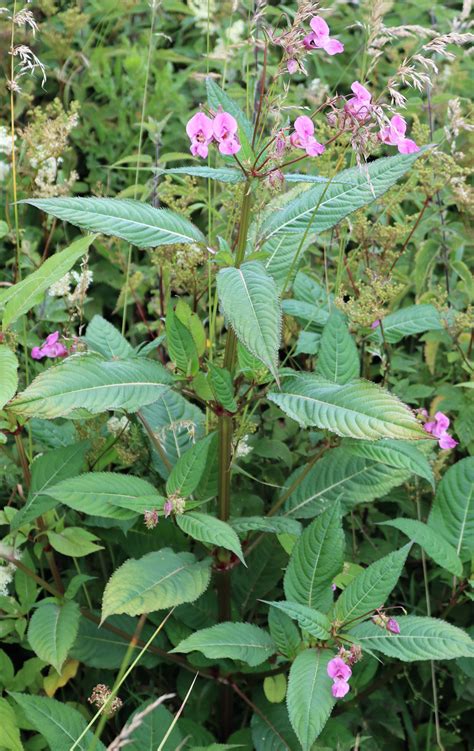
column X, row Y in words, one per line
column 338, row 360
column 206, row 528
column 432, row 543
column 237, row 641
column 310, row 620
column 53, row 630
column 452, row 512
column 8, row 368
column 309, row 696
column 189, row 469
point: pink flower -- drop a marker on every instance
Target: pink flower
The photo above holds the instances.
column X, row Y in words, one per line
column 50, row 348
column 439, row 429
column 359, row 106
column 319, row 38
column 375, row 324
column 303, row 138
column 394, row 135
column 225, row 133
column 292, row 65
column 199, row 130
column 168, row 508
column 338, row 670
column 339, row 689
column 392, row 625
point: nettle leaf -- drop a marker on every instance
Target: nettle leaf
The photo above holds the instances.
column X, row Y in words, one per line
column 207, row 528
column 9, row 376
column 309, row 698
column 338, row 360
column 47, row 470
column 222, row 174
column 189, row 469
column 53, row 630
column 339, row 475
column 276, row 524
column 221, row 384
column 360, row 409
column 181, row 345
column 157, row 581
column 105, row 339
column 138, row 223
column 217, row 98
column 236, row 641
column 284, row 633
column 108, row 494
column 58, row 724
column 74, row 541
column 21, row 297
column 249, row 300
column 87, row 384
column 419, row 639
column 415, row 319
column 399, row 454
column 370, row 589
column 432, row 543
column 316, row 559
column 11, row 740
column 452, row 513
column 315, row 623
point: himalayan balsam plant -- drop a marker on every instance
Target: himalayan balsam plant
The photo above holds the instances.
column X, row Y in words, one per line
column 244, row 585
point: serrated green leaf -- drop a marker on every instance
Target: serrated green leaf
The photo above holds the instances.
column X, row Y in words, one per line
column 249, row 300
column 339, row 475
column 399, row 454
column 316, row 559
column 189, row 468
column 452, row 513
column 21, row 297
column 207, row 528
column 181, row 346
column 315, row 623
column 221, row 384
column 236, row 641
column 217, row 98
column 338, row 360
column 221, row 174
column 138, row 223
column 59, row 724
column 271, row 729
column 157, row 581
column 371, row 588
column 74, row 541
column 47, row 470
column 419, row 639
column 359, row 409
column 108, row 494
column 53, row 630
column 432, row 543
column 86, row 383
column 10, row 740
column 194, row 325
column 96, row 647
column 104, row 338
column 309, row 698
column 415, row 319
column 276, row 524
column 284, row 633
column 8, row 375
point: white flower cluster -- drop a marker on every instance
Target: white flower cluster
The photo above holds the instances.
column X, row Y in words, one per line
column 62, row 288
column 6, row 576
column 6, row 141
column 117, row 425
column 243, row 448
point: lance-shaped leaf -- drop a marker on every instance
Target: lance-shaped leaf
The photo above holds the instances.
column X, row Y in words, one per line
column 419, row 639
column 409, row 321
column 221, row 174
column 105, row 339
column 359, row 409
column 276, row 524
column 157, row 581
column 338, row 360
column 189, row 469
column 369, row 590
column 53, row 630
column 249, row 300
column 57, row 723
column 432, row 543
column 138, row 223
column 221, row 384
column 452, row 514
column 284, row 633
column 207, row 528
column 8, row 374
column 107, row 494
column 399, row 454
column 309, row 698
column 237, row 641
column 21, row 297
column 87, row 384
column 315, row 623
column 316, row 559
column 10, row 731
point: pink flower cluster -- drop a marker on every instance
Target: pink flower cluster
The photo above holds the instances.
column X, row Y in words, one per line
column 394, row 135
column 360, row 105
column 340, row 673
column 51, row 347
column 202, row 131
column 319, row 38
column 439, row 429
column 303, row 137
